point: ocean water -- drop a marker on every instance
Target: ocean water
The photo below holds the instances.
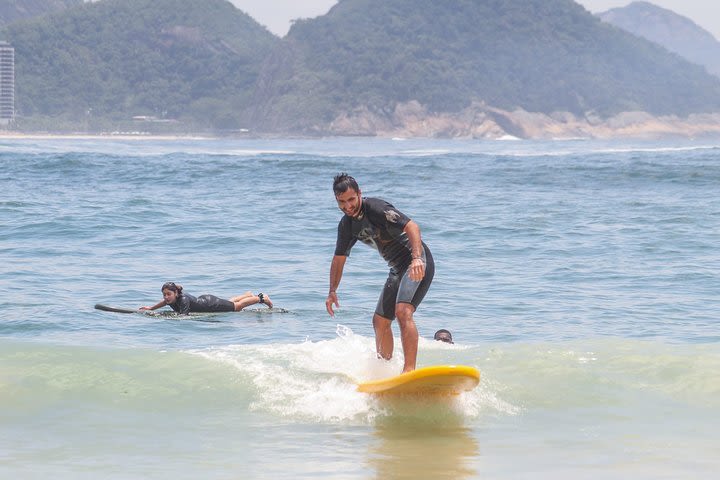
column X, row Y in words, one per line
column 582, row 278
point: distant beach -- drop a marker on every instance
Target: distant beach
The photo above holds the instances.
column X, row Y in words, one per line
column 475, row 122
column 10, row 134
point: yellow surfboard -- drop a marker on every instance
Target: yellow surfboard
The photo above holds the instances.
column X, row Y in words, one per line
column 435, row 380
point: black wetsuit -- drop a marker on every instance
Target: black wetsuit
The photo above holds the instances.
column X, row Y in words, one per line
column 380, row 226
column 186, row 303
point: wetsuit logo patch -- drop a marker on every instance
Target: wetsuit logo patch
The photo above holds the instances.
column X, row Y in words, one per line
column 392, row 216
column 367, row 236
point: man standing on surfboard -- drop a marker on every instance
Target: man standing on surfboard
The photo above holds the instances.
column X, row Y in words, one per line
column 378, row 224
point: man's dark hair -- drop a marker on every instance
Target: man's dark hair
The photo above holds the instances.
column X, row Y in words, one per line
column 342, row 182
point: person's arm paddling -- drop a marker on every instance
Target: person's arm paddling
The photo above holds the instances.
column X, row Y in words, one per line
column 160, row 304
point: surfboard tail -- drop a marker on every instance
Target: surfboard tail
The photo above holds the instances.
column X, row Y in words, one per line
column 107, row 308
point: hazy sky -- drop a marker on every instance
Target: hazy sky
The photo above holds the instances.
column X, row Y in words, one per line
column 277, row 14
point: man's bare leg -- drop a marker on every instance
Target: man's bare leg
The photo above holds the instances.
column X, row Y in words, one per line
column 383, row 336
column 408, row 334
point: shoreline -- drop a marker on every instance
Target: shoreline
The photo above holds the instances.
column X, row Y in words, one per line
column 478, row 122
column 14, row 135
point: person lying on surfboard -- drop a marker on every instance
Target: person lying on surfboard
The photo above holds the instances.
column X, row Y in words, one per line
column 185, row 303
column 378, row 224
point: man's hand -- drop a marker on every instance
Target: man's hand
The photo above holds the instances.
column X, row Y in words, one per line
column 332, row 299
column 417, row 270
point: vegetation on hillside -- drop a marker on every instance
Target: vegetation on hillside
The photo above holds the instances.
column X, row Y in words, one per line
column 539, row 55
column 201, row 65
column 169, row 59
column 14, row 10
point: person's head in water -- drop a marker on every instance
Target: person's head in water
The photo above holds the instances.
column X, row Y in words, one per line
column 347, row 194
column 443, row 336
column 170, row 292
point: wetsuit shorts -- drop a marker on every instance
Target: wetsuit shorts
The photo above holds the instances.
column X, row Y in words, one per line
column 400, row 289
column 211, row 303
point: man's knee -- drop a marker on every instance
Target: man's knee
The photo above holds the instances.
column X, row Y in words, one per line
column 380, row 322
column 404, row 312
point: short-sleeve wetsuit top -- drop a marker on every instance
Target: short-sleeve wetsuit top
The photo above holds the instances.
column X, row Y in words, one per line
column 379, row 225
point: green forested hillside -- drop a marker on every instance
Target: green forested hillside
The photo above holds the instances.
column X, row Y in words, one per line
column 14, row 10
column 210, row 66
column 180, row 59
column 539, row 55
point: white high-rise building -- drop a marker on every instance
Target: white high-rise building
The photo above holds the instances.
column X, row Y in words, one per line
column 7, row 83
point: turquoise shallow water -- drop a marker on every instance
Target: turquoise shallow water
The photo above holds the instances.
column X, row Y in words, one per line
column 581, row 278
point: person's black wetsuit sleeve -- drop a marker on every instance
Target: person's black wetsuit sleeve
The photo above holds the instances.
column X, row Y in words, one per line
column 345, row 238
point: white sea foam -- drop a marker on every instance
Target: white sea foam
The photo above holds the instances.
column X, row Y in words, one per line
column 317, row 381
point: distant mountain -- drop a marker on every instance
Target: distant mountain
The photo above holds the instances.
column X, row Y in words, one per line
column 367, row 57
column 13, row 10
column 484, row 68
column 115, row 59
column 674, row 32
